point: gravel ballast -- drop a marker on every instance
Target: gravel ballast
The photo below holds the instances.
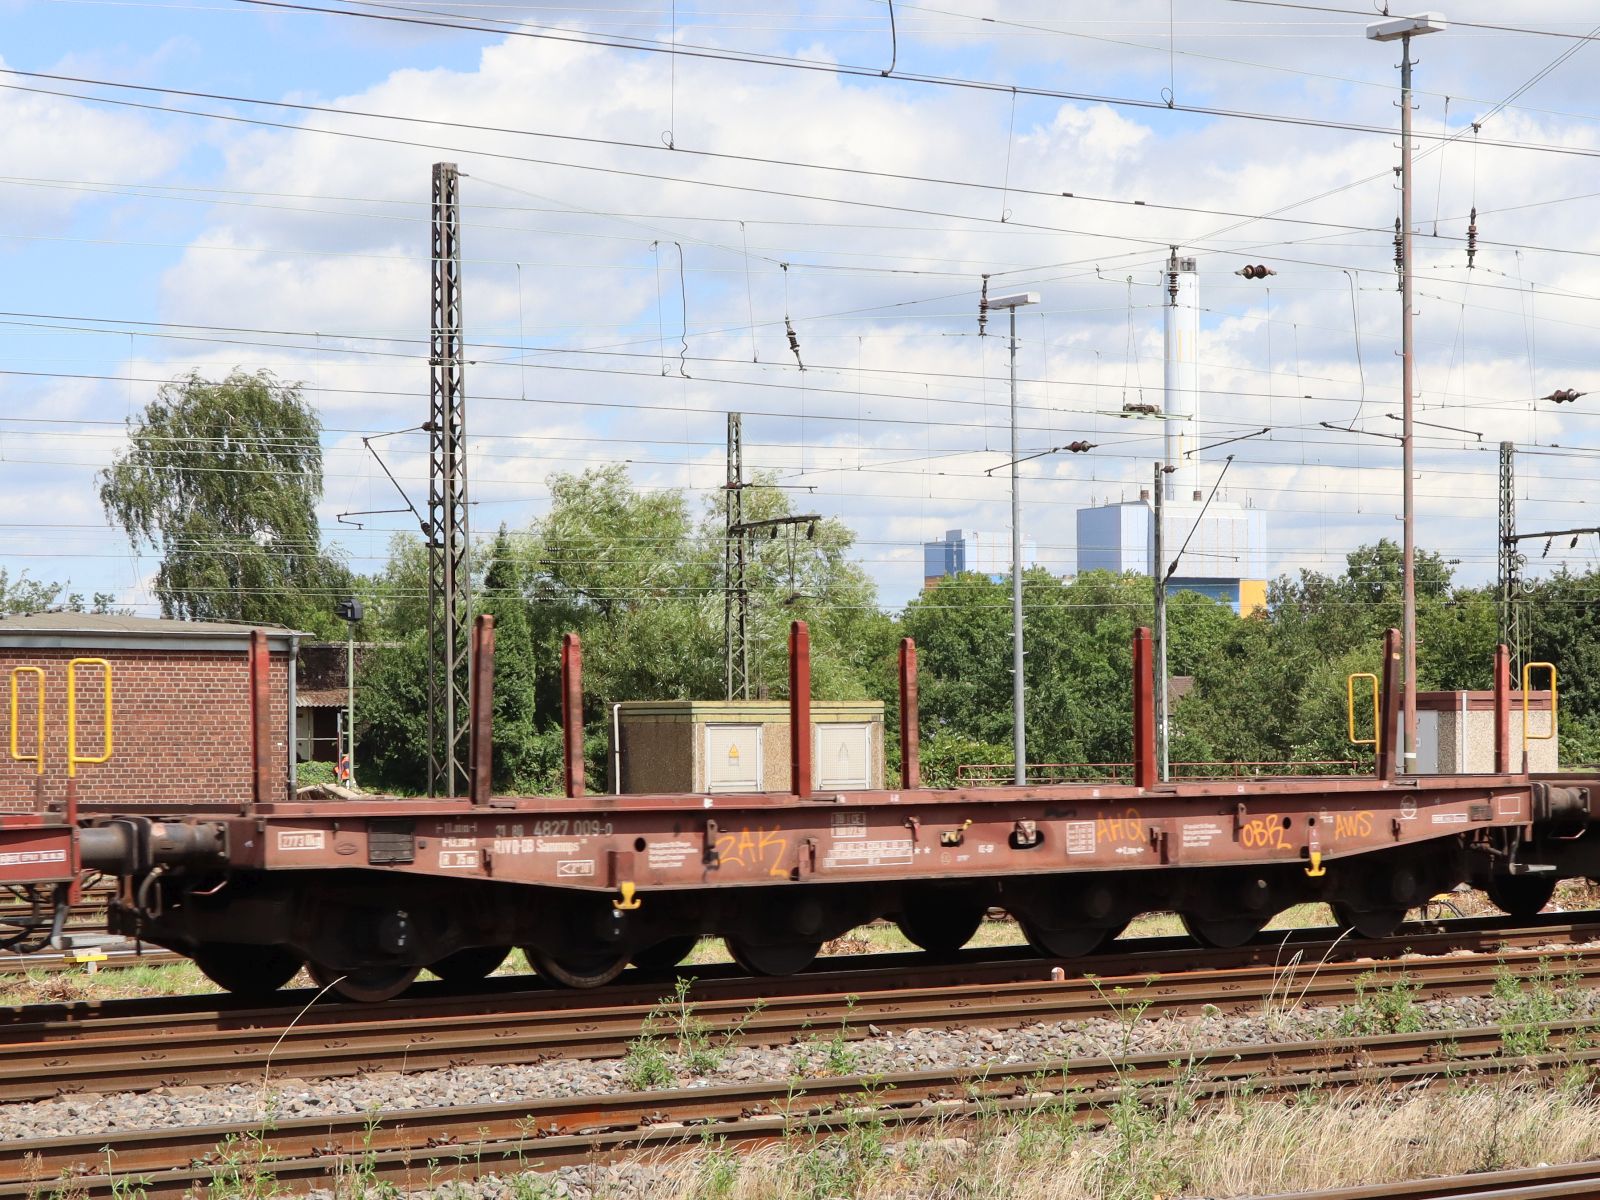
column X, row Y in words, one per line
column 826, row 1054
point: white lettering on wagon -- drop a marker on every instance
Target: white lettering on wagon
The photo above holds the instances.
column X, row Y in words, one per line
column 1080, row 837
column 667, row 856
column 1200, row 834
column 459, row 843
column 575, row 868
column 1448, row 818
column 458, row 860
column 850, row 825
column 300, row 839
column 570, row 828
column 887, row 852
column 29, row 858
column 551, row 846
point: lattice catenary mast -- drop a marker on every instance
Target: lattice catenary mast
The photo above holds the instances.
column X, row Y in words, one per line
column 736, row 593
column 1511, row 560
column 449, row 553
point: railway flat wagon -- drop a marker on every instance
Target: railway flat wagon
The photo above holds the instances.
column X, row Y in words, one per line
column 368, row 891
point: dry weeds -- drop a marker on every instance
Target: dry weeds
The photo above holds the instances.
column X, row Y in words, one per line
column 1248, row 1145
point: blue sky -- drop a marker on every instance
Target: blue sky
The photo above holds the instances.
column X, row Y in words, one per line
column 578, row 302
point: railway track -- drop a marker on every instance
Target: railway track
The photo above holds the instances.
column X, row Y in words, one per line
column 139, row 1045
column 423, row 1148
column 1527, row 1183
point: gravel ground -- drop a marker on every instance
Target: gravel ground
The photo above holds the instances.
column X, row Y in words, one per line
column 903, row 1050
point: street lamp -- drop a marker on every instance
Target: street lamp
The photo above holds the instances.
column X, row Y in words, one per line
column 349, row 611
column 1403, row 29
column 1018, row 740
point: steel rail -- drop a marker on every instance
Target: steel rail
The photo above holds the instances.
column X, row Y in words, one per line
column 155, row 1049
column 425, row 1147
column 1523, row 1183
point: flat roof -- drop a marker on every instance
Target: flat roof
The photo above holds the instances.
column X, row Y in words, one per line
column 118, row 631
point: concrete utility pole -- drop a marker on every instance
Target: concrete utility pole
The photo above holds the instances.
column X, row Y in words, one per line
column 1403, row 29
column 1018, row 728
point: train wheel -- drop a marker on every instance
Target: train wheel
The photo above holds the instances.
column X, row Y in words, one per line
column 590, row 970
column 940, row 924
column 470, row 965
column 1369, row 923
column 773, row 958
column 365, row 985
column 1072, row 942
column 1222, row 933
column 1520, row 895
column 666, row 954
column 248, row 970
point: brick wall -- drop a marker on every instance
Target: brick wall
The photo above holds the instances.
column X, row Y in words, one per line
column 181, row 727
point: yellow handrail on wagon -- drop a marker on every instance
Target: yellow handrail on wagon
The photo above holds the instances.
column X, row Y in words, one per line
column 37, row 757
column 73, row 757
column 1376, row 740
column 1527, row 672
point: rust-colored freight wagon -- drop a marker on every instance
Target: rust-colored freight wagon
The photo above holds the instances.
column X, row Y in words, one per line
column 369, row 891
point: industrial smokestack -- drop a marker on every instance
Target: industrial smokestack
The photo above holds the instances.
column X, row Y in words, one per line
column 1180, row 371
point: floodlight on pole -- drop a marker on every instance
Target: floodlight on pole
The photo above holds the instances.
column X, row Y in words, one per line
column 1403, row 29
column 1015, row 301
column 1393, row 29
column 1018, row 730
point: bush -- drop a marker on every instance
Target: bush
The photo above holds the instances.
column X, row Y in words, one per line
column 309, row 774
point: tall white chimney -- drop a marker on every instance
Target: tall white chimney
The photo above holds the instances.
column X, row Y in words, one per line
column 1180, row 373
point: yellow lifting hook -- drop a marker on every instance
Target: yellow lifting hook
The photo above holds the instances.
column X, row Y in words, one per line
column 629, row 901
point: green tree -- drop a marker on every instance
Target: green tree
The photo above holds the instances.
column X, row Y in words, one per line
column 223, row 478
column 21, row 594
column 632, row 573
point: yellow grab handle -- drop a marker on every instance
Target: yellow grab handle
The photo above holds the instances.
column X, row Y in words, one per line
column 37, row 757
column 73, row 757
column 1376, row 740
column 1527, row 671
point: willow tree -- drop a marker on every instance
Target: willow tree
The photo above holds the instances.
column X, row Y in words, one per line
column 223, row 479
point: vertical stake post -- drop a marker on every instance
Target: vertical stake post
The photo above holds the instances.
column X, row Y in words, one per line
column 572, row 713
column 799, row 708
column 910, row 730
column 1162, row 692
column 480, row 741
column 1502, row 710
column 1389, row 705
column 1144, row 722
column 260, row 665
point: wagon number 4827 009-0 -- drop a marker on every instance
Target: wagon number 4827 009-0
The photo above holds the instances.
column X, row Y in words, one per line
column 567, row 828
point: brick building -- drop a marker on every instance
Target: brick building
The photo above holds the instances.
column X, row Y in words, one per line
column 180, row 706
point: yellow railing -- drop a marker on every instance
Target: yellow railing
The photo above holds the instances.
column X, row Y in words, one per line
column 1527, row 674
column 37, row 757
column 1376, row 740
column 73, row 757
